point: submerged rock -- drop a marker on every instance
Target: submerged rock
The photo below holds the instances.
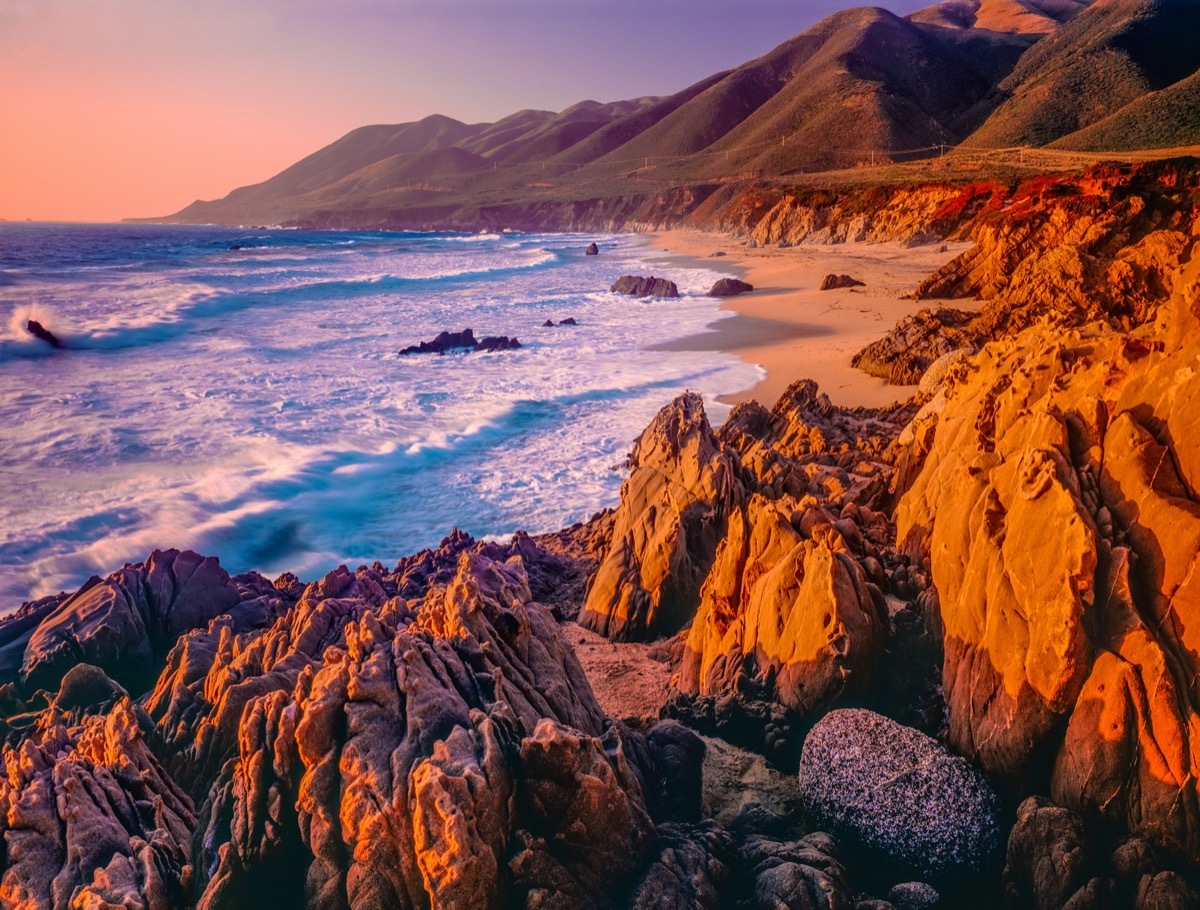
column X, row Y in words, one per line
column 636, row 286
column 730, row 287
column 465, row 340
column 37, row 330
column 900, row 795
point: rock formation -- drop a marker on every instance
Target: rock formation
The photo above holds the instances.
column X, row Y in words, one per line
column 900, row 795
column 127, row 622
column 1056, row 512
column 592, row 250
column 682, row 486
column 837, row 282
column 636, row 286
column 786, row 605
column 730, row 287
column 1100, row 247
column 448, row 342
column 37, row 330
column 1056, row 860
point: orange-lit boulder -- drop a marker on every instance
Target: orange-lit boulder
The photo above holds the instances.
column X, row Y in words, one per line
column 681, row 489
column 795, row 611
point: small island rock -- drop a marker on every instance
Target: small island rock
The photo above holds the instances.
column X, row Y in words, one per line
column 462, row 341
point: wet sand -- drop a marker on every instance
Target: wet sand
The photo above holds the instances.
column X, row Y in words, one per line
column 796, row 331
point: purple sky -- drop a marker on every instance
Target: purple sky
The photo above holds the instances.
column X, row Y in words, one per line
column 137, row 107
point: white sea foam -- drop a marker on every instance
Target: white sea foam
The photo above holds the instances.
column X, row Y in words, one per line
column 258, row 410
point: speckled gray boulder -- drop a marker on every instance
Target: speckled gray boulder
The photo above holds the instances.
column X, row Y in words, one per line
column 914, row 896
column 898, row 793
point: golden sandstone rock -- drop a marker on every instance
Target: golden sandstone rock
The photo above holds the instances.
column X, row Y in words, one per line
column 1057, row 508
column 681, row 488
column 777, row 604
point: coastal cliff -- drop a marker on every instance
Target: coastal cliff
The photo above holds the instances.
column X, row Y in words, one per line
column 985, row 593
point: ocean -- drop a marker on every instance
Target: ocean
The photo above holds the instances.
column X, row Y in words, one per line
column 239, row 392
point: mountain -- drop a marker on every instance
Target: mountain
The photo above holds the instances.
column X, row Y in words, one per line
column 862, row 86
column 1112, row 55
column 1018, row 17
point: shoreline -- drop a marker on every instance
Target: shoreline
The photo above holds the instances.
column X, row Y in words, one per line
column 793, row 330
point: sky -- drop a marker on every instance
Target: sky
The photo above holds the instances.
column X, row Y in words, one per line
column 133, row 108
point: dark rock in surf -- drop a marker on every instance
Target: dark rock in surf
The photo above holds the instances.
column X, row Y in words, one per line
column 497, row 343
column 548, row 324
column 462, row 341
column 730, row 287
column 592, row 250
column 37, row 330
column 834, row 282
column 570, row 320
column 636, row 286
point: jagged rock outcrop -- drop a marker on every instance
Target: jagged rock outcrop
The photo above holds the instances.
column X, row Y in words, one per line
column 899, row 794
column 90, row 818
column 1055, row 860
column 681, row 489
column 785, row 605
column 637, row 286
column 1056, row 509
column 1101, row 246
column 792, row 616
column 730, row 287
column 363, row 749
column 448, row 342
column 127, row 622
column 917, row 342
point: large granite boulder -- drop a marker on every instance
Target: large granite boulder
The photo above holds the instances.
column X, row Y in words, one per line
column 900, row 795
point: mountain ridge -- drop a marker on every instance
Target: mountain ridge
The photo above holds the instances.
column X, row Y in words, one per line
column 862, row 87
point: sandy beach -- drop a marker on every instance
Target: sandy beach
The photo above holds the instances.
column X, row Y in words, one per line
column 792, row 329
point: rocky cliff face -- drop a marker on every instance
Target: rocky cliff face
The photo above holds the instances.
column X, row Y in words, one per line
column 1102, row 246
column 1057, row 514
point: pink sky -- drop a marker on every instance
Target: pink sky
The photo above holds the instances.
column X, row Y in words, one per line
column 132, row 108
